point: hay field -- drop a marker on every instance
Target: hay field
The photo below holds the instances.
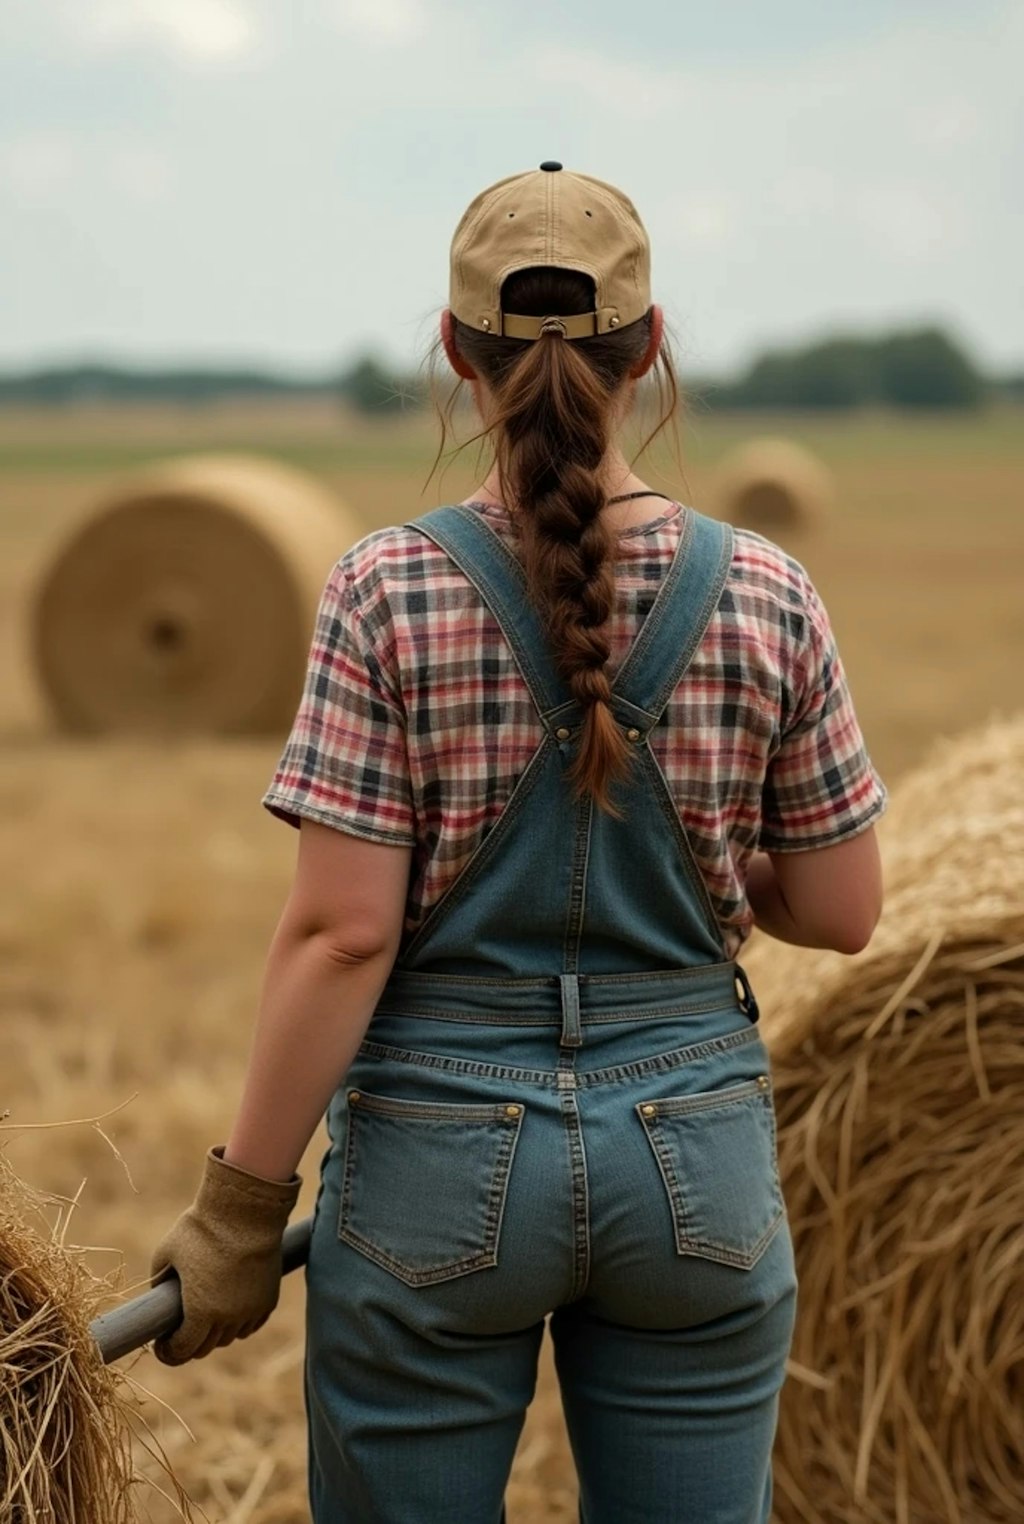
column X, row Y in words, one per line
column 145, row 880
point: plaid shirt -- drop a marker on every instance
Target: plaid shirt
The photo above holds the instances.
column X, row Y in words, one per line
column 415, row 722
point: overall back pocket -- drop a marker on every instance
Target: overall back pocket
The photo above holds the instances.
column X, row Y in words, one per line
column 424, row 1185
column 716, row 1151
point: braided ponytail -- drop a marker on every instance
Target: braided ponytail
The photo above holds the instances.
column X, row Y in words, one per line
column 550, row 420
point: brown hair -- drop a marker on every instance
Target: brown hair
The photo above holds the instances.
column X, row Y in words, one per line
column 550, row 423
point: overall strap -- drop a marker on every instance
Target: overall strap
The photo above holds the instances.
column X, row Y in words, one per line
column 679, row 616
column 665, row 644
column 500, row 580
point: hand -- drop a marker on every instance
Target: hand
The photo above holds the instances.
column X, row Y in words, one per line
column 226, row 1250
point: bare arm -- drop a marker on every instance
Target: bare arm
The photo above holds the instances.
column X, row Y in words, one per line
column 829, row 897
column 329, row 960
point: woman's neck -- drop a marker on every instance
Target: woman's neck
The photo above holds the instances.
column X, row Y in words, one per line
column 617, row 478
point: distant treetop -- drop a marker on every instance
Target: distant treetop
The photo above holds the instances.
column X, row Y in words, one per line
column 922, row 368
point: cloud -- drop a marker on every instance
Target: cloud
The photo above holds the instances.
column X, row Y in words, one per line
column 707, row 222
column 141, row 173
column 381, row 21
column 49, row 169
column 941, row 123
column 840, row 182
column 908, row 221
column 622, row 88
column 37, row 165
column 203, row 32
column 855, row 181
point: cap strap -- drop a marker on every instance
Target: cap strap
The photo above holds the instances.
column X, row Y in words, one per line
column 580, row 326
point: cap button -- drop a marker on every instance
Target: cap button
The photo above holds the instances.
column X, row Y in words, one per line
column 551, row 164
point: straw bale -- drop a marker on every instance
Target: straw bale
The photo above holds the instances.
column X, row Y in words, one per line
column 898, row 1081
column 65, row 1434
column 184, row 600
column 771, row 486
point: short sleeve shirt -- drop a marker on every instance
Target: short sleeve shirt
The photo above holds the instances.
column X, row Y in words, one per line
column 415, row 723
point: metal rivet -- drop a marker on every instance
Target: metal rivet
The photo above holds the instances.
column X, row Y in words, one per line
column 649, row 1111
column 762, row 1080
column 353, row 1097
column 485, row 323
column 613, row 322
column 512, row 1111
column 633, row 735
column 562, row 733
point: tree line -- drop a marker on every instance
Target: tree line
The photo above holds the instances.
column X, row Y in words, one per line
column 914, row 368
column 920, row 368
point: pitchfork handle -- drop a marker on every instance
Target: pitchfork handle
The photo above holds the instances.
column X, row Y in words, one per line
column 157, row 1312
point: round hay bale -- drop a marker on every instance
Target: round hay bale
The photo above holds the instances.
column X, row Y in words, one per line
column 773, row 486
column 184, row 602
column 899, row 1090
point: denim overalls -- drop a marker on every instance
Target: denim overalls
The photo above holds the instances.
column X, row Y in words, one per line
column 563, row 1106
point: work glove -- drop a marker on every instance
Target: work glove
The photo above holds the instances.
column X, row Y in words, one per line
column 226, row 1250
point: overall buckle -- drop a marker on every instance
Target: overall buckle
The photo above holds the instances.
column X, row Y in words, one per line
column 745, row 994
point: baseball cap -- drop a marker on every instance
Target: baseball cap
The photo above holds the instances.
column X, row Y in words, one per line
column 548, row 217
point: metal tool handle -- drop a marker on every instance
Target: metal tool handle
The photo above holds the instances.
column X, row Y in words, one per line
column 157, row 1312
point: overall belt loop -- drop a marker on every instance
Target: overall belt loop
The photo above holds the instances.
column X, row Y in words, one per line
column 572, row 1032
column 745, row 995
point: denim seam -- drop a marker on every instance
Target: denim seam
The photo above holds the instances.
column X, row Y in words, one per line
column 445, row 1064
column 550, row 981
column 510, row 1019
column 499, row 1195
column 700, row 971
column 485, row 1260
column 660, row 1063
column 429, row 1111
column 580, row 1192
column 676, row 1058
column 719, row 1254
column 711, row 1100
column 577, row 886
column 469, row 981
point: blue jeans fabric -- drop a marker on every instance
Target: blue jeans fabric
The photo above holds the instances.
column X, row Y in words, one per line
column 562, row 1111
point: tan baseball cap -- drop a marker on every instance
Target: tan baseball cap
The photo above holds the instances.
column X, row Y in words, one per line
column 550, row 217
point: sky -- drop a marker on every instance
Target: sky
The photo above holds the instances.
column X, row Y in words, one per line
column 277, row 181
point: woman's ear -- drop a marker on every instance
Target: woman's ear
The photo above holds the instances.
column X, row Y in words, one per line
column 459, row 365
column 643, row 365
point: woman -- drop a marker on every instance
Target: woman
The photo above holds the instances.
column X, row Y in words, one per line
column 560, row 748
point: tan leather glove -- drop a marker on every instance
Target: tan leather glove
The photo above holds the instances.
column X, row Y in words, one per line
column 226, row 1250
